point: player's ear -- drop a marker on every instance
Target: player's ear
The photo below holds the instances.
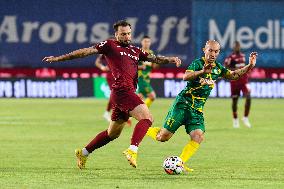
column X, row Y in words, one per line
column 203, row 49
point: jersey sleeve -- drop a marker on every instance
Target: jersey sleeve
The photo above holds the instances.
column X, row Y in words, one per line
column 143, row 55
column 223, row 70
column 103, row 47
column 194, row 66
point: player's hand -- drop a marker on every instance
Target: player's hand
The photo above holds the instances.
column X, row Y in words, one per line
column 252, row 58
column 105, row 68
column 207, row 68
column 50, row 59
column 175, row 60
column 143, row 66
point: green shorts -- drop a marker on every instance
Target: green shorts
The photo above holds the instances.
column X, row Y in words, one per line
column 178, row 116
column 144, row 87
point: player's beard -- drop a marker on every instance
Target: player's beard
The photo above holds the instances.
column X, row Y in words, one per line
column 125, row 43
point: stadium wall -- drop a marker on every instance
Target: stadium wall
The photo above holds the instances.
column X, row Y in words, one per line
column 98, row 88
column 30, row 30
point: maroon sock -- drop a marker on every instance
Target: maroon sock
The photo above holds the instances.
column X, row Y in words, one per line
column 235, row 107
column 100, row 140
column 247, row 107
column 140, row 131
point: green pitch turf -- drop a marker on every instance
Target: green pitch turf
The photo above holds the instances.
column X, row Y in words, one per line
column 38, row 138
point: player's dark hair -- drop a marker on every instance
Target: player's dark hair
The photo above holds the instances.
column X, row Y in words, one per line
column 146, row 37
column 122, row 23
column 237, row 42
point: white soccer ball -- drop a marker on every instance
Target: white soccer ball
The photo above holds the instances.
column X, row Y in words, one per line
column 173, row 165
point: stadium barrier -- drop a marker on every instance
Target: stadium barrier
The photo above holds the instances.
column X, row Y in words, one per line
column 98, row 88
column 260, row 88
column 46, row 88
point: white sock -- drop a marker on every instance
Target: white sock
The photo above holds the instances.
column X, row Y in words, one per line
column 107, row 112
column 133, row 148
column 85, row 152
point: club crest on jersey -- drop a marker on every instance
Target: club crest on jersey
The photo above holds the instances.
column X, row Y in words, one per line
column 216, row 71
column 129, row 55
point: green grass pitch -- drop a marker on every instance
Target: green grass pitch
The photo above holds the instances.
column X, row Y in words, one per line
column 38, row 138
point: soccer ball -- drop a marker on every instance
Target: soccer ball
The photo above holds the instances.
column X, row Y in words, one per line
column 173, row 165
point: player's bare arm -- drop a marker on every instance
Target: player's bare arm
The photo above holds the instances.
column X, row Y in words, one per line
column 191, row 75
column 99, row 64
column 80, row 53
column 164, row 60
column 236, row 74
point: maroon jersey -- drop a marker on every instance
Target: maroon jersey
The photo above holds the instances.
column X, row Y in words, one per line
column 123, row 63
column 236, row 61
column 109, row 77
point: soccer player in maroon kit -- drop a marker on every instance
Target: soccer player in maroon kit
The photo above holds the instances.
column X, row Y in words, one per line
column 102, row 65
column 122, row 59
column 235, row 61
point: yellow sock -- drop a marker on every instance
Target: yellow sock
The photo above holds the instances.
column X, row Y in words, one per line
column 153, row 131
column 189, row 149
column 148, row 102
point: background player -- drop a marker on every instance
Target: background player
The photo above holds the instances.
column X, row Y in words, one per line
column 145, row 90
column 187, row 108
column 102, row 65
column 235, row 61
column 122, row 59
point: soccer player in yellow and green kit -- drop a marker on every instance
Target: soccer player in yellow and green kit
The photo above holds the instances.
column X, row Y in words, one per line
column 187, row 108
column 145, row 90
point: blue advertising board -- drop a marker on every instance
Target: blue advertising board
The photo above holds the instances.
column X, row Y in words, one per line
column 30, row 30
column 258, row 25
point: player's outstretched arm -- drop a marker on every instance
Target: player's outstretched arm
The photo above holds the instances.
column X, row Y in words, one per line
column 236, row 74
column 191, row 75
column 164, row 60
column 80, row 53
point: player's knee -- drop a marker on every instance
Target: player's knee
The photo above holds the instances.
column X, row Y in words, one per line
column 163, row 138
column 248, row 96
column 152, row 97
column 114, row 135
column 148, row 117
column 235, row 98
column 151, row 118
column 197, row 136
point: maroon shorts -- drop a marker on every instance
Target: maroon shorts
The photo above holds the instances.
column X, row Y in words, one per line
column 236, row 89
column 123, row 101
